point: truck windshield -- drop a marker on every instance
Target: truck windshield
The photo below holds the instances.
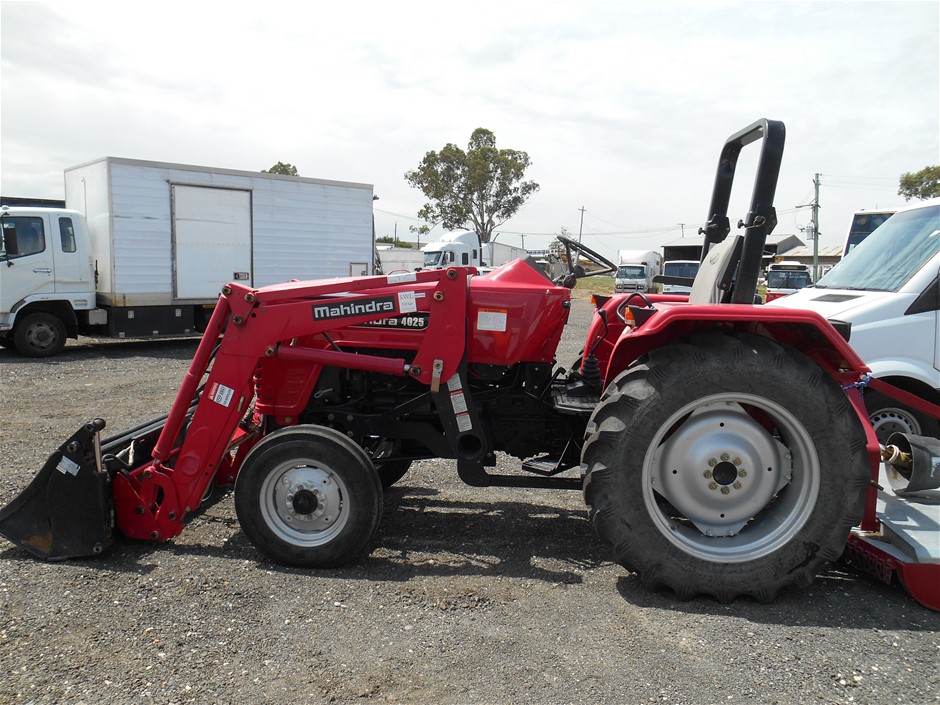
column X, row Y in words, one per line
column 432, row 259
column 787, row 279
column 22, row 236
column 681, row 269
column 631, row 272
column 890, row 256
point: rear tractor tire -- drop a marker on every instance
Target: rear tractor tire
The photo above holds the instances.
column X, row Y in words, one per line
column 727, row 466
column 308, row 496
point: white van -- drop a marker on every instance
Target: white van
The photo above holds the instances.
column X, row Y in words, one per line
column 888, row 289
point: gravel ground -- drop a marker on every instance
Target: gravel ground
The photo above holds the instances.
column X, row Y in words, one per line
column 468, row 596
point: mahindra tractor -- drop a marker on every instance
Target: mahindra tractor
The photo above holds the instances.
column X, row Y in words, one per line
column 722, row 447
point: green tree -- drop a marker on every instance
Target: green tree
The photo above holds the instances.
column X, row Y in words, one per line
column 920, row 184
column 386, row 239
column 281, row 168
column 479, row 189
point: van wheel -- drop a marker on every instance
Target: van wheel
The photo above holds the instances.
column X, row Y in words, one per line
column 39, row 335
column 888, row 416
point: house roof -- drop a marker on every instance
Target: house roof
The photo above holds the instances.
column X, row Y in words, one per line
column 807, row 251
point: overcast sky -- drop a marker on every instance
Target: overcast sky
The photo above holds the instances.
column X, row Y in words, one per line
column 621, row 106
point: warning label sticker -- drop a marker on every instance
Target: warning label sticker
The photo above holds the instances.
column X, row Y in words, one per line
column 67, row 466
column 464, row 423
column 459, row 402
column 489, row 319
column 221, row 394
column 406, row 302
column 453, row 384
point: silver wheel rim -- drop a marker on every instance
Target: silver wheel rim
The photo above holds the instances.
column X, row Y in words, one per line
column 304, row 503
column 721, row 487
column 893, row 420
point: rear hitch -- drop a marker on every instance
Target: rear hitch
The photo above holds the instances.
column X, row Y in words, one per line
column 67, row 510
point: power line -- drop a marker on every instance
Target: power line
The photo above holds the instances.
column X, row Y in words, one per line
column 859, row 178
column 856, row 187
column 397, row 215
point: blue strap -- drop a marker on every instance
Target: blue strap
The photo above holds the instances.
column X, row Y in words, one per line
column 861, row 384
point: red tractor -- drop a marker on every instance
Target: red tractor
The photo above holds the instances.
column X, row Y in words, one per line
column 722, row 447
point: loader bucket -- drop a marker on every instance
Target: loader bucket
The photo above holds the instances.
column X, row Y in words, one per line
column 67, row 510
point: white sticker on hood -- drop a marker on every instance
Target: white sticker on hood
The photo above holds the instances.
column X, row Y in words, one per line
column 491, row 320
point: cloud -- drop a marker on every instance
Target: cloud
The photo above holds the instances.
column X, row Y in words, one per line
column 621, row 106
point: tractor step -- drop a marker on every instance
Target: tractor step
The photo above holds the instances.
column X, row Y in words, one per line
column 582, row 405
column 544, row 465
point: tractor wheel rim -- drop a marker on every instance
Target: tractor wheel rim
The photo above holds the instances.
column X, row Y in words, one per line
column 304, row 503
column 723, row 488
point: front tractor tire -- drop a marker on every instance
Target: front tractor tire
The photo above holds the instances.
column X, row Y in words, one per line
column 727, row 466
column 308, row 496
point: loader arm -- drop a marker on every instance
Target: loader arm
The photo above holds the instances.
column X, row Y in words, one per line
column 262, row 326
column 209, row 427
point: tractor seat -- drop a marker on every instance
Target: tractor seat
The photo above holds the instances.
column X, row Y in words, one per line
column 716, row 272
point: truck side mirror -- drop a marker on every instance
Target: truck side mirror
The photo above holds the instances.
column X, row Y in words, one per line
column 7, row 246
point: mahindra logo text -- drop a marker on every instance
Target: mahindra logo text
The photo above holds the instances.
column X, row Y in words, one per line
column 386, row 304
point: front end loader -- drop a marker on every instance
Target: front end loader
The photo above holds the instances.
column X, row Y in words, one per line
column 722, row 447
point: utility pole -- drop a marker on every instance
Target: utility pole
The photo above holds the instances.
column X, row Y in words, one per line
column 682, row 225
column 581, row 227
column 816, row 229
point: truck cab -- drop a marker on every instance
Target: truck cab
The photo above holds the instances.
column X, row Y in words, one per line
column 460, row 249
column 683, row 269
column 46, row 275
column 636, row 269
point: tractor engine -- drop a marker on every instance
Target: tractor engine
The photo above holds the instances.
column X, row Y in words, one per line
column 395, row 417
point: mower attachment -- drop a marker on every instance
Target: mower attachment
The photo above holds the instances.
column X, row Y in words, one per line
column 66, row 511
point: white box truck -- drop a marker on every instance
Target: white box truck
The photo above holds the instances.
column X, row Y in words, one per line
column 144, row 248
column 399, row 259
column 636, row 269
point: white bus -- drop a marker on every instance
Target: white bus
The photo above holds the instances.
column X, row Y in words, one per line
column 784, row 278
column 862, row 225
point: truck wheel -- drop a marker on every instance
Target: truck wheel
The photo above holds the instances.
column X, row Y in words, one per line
column 888, row 416
column 391, row 471
column 727, row 466
column 39, row 335
column 308, row 496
